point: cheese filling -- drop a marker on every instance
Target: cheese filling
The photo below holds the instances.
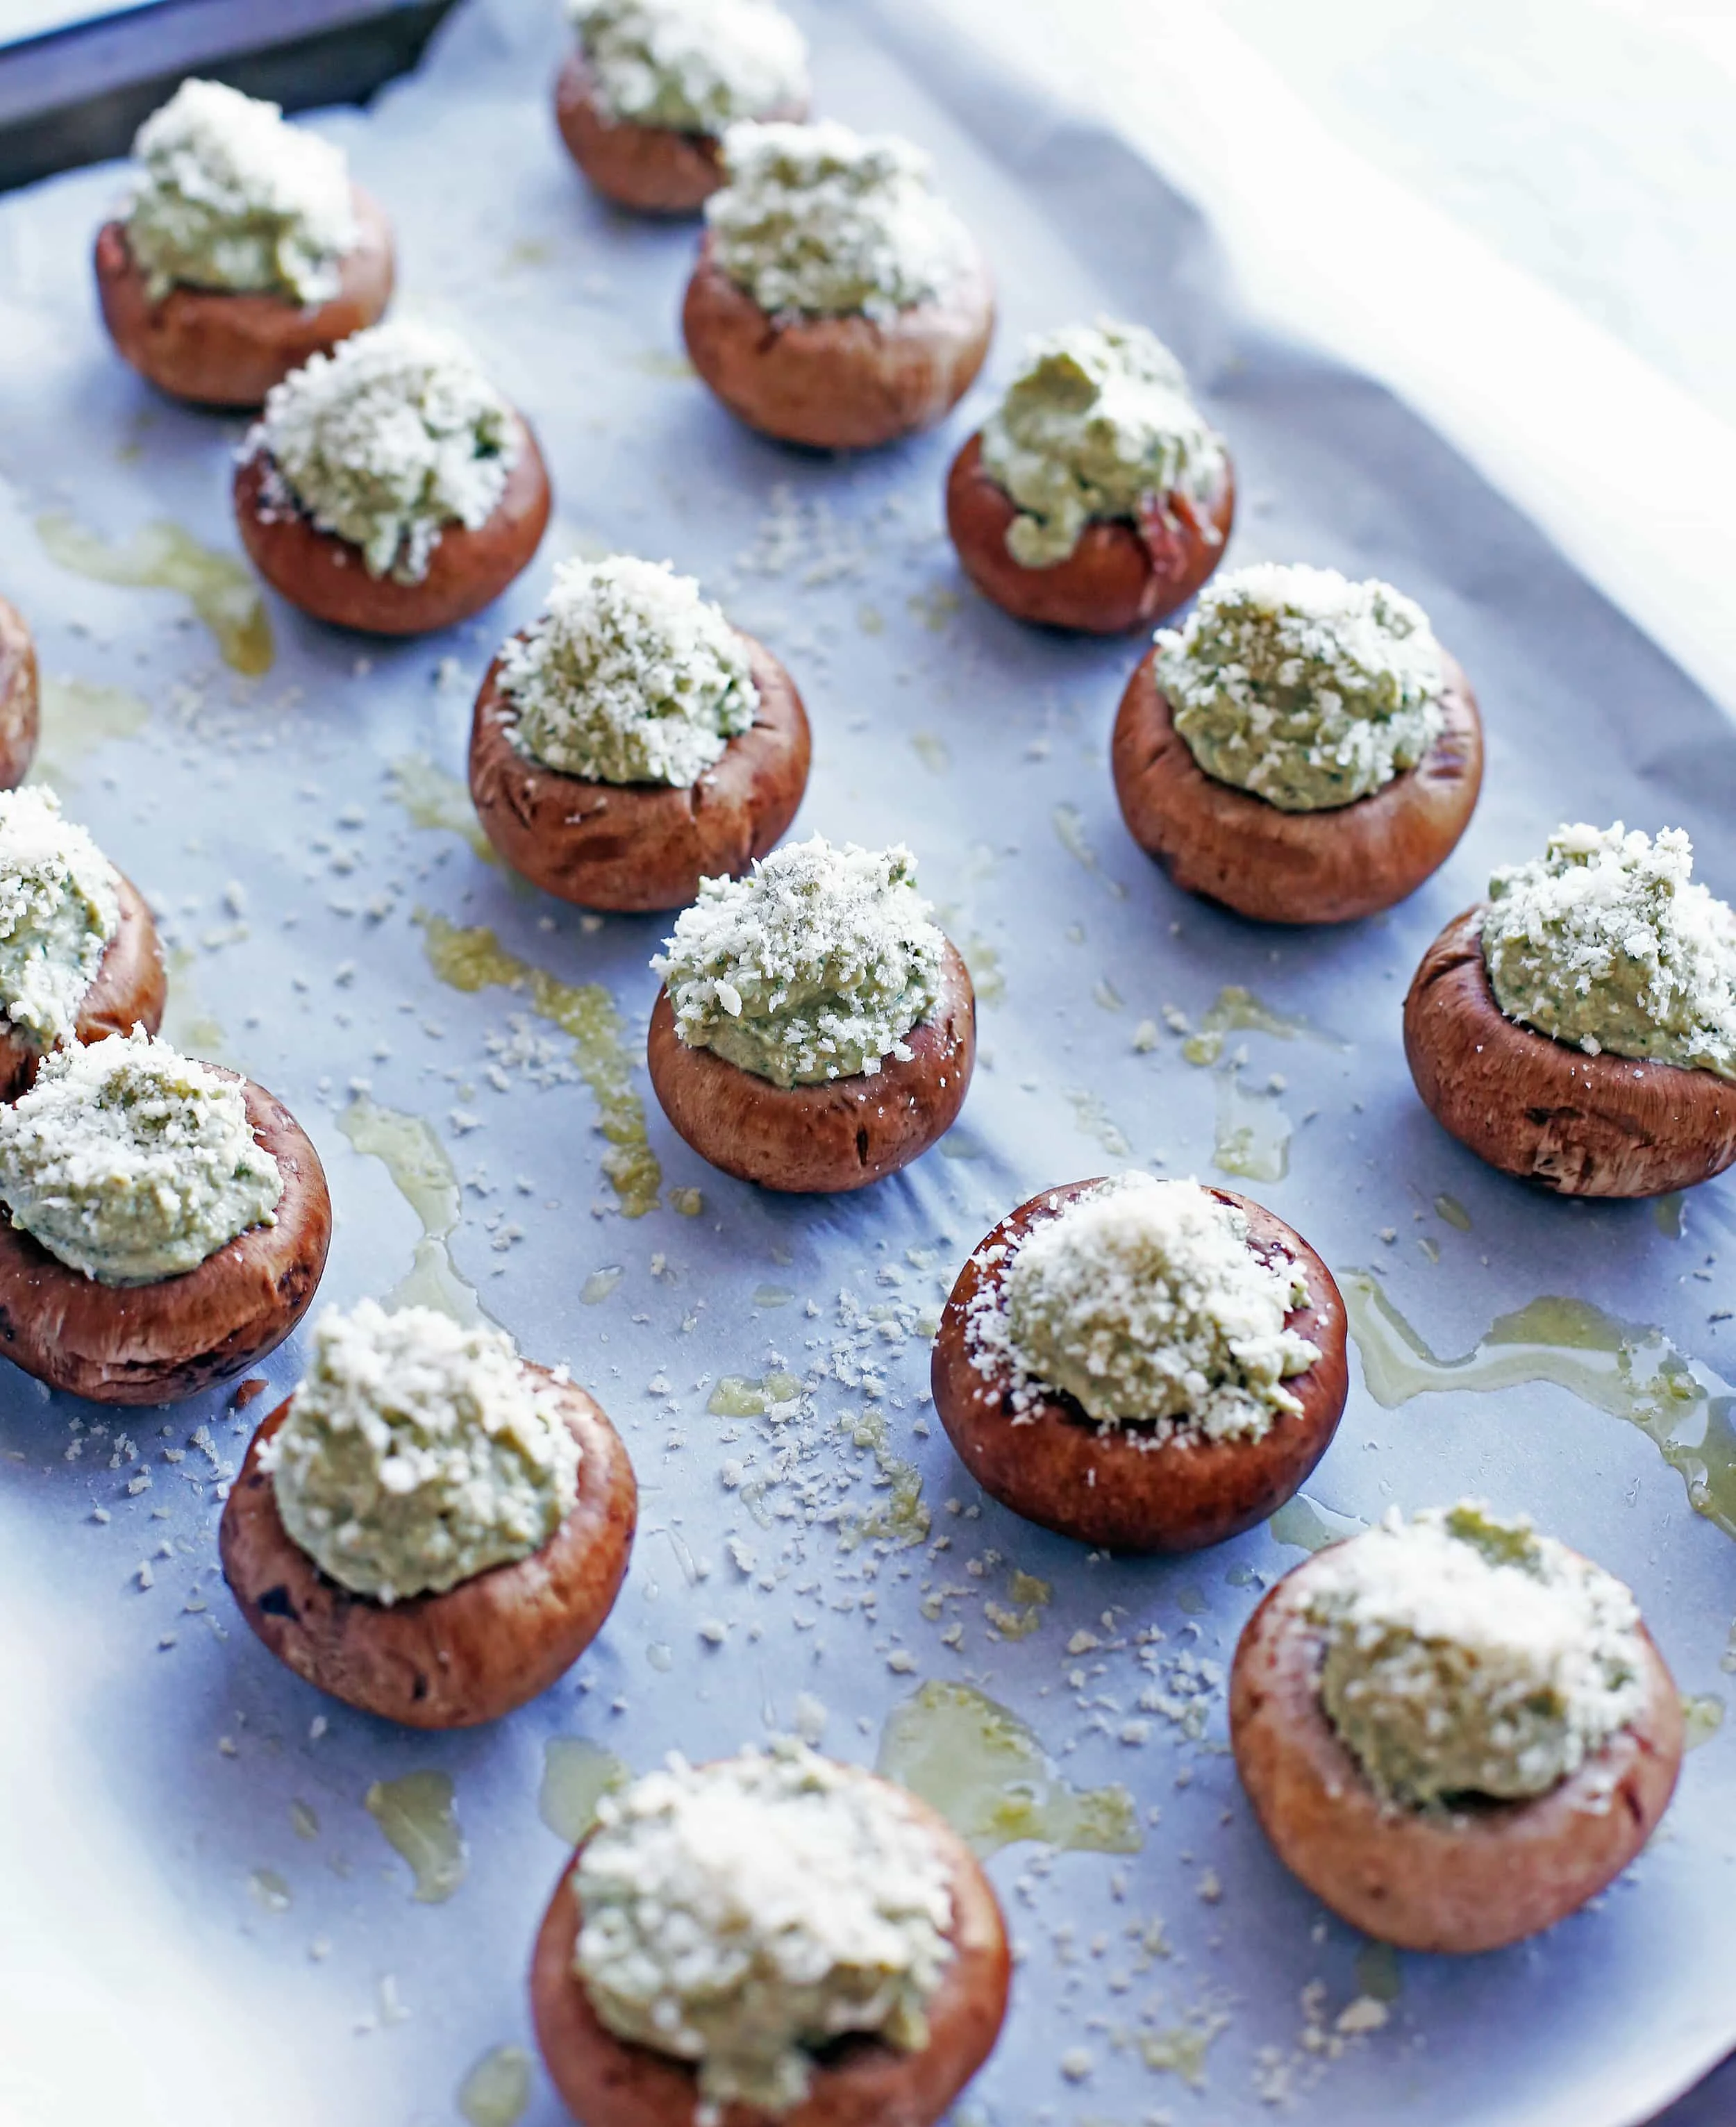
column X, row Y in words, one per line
column 59, row 911
column 694, row 66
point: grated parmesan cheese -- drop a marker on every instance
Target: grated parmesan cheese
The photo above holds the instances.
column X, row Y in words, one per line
column 697, row 66
column 58, row 912
column 819, row 221
column 1466, row 1655
column 130, row 1161
column 387, row 440
column 229, row 196
column 813, row 968
column 1302, row 687
column 739, row 1916
column 1143, row 1301
column 416, row 1453
column 628, row 675
column 1609, row 942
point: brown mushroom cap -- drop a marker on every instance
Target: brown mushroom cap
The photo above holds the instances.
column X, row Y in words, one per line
column 453, row 1659
column 219, row 346
column 21, row 697
column 858, row 2082
column 1543, row 1110
column 1117, row 576
column 157, row 1342
column 325, row 575
column 820, row 1139
column 642, row 845
column 653, row 169
column 1058, row 1468
column 1462, row 1880
column 128, row 991
column 844, row 383
column 1278, row 867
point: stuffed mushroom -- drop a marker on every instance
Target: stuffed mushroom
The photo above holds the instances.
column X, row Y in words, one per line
column 837, row 300
column 431, row 1528
column 630, row 743
column 244, row 250
column 21, row 697
column 389, row 487
column 1455, row 1730
column 1148, row 1366
column 1303, row 751
column 816, row 1030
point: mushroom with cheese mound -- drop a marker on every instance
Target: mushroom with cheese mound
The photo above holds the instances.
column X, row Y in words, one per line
column 1097, row 496
column 389, row 487
column 244, row 250
column 1302, row 749
column 430, row 1528
column 21, row 697
column 168, row 1222
column 837, row 300
column 1142, row 1364
column 1578, row 1029
column 644, row 97
column 770, row 1937
column 1453, row 1730
column 815, row 1029
column 630, row 743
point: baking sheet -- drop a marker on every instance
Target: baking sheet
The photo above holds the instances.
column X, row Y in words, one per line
column 190, row 1863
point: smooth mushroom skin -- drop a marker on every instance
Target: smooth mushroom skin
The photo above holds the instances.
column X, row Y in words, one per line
column 1459, row 1880
column 653, row 169
column 1543, row 1110
column 808, row 1139
column 858, row 2081
column 844, row 383
column 1118, row 576
column 157, row 1342
column 1278, row 867
column 325, row 575
column 1055, row 1466
column 21, row 697
column 453, row 1659
column 129, row 990
column 219, row 346
column 642, row 845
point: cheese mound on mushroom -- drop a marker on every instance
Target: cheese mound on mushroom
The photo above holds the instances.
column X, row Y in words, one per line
column 816, row 967
column 1608, row 941
column 695, row 66
column 131, row 1163
column 416, row 1453
column 739, row 1915
column 1143, row 1301
column 1302, row 687
column 58, row 912
column 627, row 676
column 229, row 196
column 1466, row 1655
column 819, row 221
column 387, row 440
column 1098, row 423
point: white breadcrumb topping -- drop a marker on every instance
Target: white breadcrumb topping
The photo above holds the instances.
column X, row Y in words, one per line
column 742, row 1914
column 130, row 1161
column 697, row 66
column 628, row 675
column 1466, row 1655
column 1098, row 423
column 59, row 909
column 387, row 440
column 819, row 221
column 231, row 196
column 1302, row 687
column 416, row 1453
column 815, row 967
column 1143, row 1301
column 1608, row 941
